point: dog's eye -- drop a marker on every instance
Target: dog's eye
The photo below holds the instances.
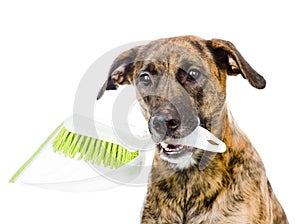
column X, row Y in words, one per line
column 193, row 74
column 145, row 79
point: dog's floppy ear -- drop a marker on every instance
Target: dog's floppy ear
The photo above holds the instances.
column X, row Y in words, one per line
column 229, row 58
column 120, row 71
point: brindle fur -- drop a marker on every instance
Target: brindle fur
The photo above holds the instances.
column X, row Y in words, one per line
column 232, row 187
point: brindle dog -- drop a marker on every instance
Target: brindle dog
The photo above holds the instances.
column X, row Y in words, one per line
column 181, row 83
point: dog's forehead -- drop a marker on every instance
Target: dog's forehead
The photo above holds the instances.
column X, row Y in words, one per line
column 178, row 52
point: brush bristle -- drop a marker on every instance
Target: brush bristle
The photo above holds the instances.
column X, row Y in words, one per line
column 91, row 149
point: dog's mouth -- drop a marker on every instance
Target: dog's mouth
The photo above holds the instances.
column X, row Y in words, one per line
column 181, row 156
column 175, row 150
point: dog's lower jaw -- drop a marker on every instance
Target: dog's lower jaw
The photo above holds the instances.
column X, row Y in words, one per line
column 184, row 161
column 185, row 158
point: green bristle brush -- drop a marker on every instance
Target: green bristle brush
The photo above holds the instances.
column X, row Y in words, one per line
column 77, row 140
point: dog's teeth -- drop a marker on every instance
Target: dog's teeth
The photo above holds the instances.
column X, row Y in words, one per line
column 170, row 148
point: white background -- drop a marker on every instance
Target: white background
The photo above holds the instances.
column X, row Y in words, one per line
column 46, row 48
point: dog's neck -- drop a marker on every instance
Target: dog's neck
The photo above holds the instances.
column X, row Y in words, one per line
column 233, row 136
column 224, row 127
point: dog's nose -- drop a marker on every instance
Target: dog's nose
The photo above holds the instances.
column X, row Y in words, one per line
column 163, row 124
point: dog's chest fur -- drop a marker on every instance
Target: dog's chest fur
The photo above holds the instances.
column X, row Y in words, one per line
column 185, row 195
column 190, row 198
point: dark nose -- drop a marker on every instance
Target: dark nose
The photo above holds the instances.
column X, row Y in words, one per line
column 163, row 123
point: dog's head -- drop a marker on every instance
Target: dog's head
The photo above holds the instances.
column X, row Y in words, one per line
column 181, row 83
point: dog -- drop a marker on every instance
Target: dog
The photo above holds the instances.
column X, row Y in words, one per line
column 181, row 84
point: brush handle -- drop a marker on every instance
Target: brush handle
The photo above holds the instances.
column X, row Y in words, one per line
column 33, row 157
column 202, row 139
